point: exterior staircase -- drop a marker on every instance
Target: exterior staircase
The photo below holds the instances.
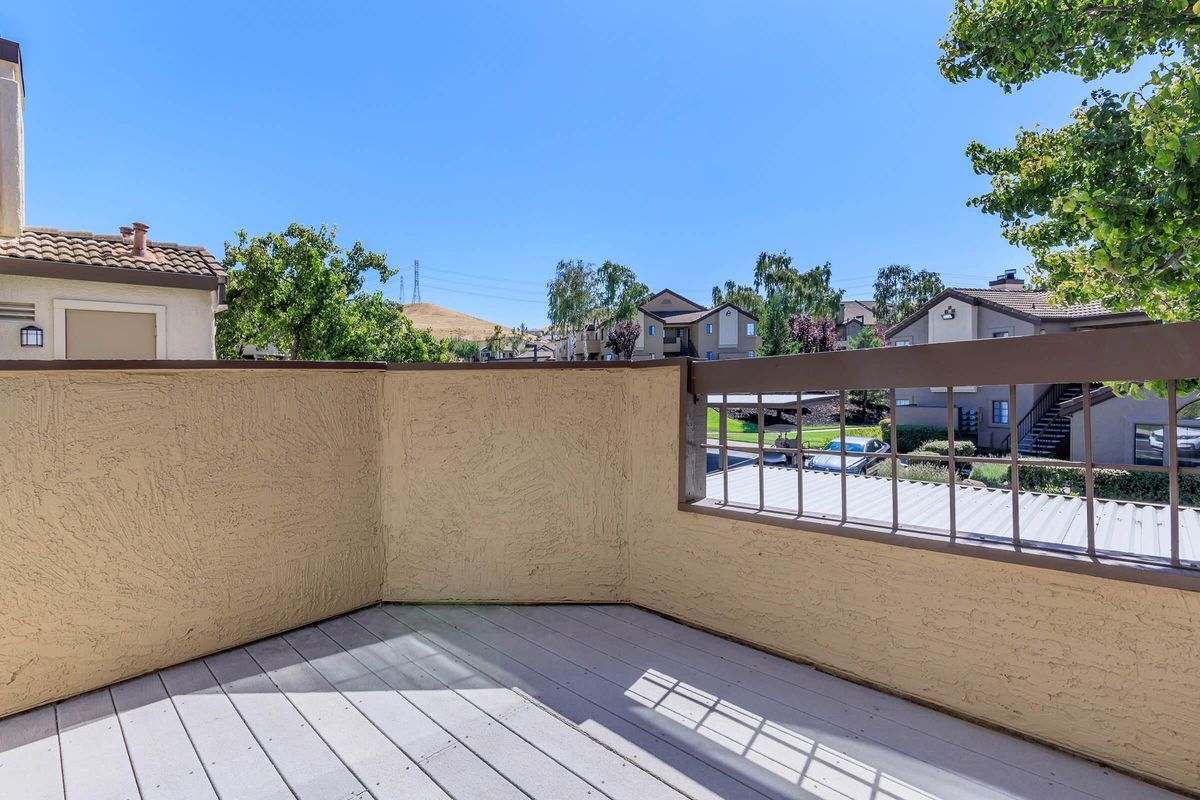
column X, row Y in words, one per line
column 1045, row 431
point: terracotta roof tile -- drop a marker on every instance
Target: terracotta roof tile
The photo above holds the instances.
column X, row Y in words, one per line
column 102, row 250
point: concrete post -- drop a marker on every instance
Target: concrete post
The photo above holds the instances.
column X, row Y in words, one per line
column 12, row 141
column 695, row 458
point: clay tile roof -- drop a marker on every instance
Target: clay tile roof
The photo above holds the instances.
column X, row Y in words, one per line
column 1036, row 303
column 103, row 250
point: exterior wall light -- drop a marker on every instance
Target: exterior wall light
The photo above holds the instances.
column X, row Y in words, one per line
column 31, row 336
column 948, row 313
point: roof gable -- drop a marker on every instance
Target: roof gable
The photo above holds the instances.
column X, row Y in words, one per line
column 667, row 301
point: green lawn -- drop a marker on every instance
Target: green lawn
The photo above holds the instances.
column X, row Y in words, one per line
column 993, row 475
column 747, row 432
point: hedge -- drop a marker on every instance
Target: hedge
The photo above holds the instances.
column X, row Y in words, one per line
column 911, row 437
column 941, row 447
column 1111, row 484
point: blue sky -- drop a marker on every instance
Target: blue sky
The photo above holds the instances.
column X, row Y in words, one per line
column 491, row 139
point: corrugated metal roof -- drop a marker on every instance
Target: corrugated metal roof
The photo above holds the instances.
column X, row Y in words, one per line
column 1122, row 528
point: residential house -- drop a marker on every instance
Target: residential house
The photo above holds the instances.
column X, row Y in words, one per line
column 1005, row 308
column 1129, row 430
column 77, row 295
column 853, row 317
column 672, row 326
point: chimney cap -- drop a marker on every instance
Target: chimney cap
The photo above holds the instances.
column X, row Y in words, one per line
column 141, row 226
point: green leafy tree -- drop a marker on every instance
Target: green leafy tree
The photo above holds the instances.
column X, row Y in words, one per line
column 744, row 297
column 868, row 400
column 773, row 327
column 900, row 291
column 463, row 349
column 571, row 300
column 619, row 293
column 785, row 292
column 495, row 342
column 1108, row 204
column 300, row 292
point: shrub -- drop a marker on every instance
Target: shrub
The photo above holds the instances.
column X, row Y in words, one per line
column 910, row 437
column 916, row 471
column 1111, row 484
column 941, row 447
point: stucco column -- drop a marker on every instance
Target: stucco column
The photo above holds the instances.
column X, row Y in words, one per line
column 695, row 457
column 12, row 142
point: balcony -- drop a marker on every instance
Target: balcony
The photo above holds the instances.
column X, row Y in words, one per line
column 272, row 579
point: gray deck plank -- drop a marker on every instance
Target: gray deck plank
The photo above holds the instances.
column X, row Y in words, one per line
column 303, row 759
column 717, row 766
column 382, row 767
column 30, row 764
column 95, row 762
column 623, row 742
column 458, row 770
column 236, row 763
column 732, row 713
column 799, row 684
column 536, row 773
column 557, row 737
column 164, row 761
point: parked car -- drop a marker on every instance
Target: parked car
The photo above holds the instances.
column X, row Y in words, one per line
column 1187, row 441
column 863, row 455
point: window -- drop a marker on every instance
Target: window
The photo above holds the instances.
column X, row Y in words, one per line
column 903, row 343
column 1000, row 407
column 750, row 354
column 651, row 330
column 904, row 401
column 709, row 354
column 708, row 328
column 1001, row 334
column 749, row 328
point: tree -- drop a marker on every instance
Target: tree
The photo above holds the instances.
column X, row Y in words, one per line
column 301, row 293
column 571, row 297
column 463, row 349
column 518, row 338
column 1108, row 204
column 622, row 338
column 495, row 342
column 900, row 291
column 813, row 335
column 744, row 297
column 619, row 293
column 870, row 337
column 773, row 327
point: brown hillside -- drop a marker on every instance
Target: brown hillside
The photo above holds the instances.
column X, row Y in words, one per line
column 446, row 323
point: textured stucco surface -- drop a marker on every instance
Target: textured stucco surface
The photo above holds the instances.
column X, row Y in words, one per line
column 1101, row 667
column 151, row 518
column 507, row 485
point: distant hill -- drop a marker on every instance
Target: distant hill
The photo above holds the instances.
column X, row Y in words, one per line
column 446, row 323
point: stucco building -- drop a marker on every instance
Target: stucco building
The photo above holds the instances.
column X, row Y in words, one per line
column 79, row 295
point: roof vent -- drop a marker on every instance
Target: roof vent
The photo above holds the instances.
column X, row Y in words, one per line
column 1008, row 280
column 139, row 238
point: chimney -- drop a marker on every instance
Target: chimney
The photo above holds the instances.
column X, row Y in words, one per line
column 12, row 140
column 139, row 238
column 126, row 234
column 1008, row 280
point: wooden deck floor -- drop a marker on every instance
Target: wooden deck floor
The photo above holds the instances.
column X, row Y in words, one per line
column 516, row 702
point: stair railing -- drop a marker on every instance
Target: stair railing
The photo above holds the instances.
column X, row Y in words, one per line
column 1039, row 410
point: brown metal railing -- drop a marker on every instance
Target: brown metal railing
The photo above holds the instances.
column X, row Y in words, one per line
column 1155, row 352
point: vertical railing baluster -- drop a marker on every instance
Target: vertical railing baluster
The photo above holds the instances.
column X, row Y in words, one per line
column 842, row 432
column 799, row 453
column 895, row 459
column 951, row 464
column 1173, row 467
column 724, row 437
column 762, row 467
column 1089, row 474
column 1014, row 478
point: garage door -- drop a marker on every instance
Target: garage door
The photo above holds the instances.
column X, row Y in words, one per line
column 109, row 334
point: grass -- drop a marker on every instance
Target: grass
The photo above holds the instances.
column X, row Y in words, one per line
column 747, row 432
column 994, row 475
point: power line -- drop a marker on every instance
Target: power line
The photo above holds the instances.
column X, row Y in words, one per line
column 488, row 294
column 491, row 278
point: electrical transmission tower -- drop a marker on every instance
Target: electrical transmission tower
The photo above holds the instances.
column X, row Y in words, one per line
column 400, row 293
column 416, row 281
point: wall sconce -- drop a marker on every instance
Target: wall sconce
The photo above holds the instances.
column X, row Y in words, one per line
column 31, row 336
column 948, row 313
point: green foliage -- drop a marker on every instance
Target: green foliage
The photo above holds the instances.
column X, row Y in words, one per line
column 744, row 297
column 900, row 291
column 619, row 293
column 571, row 300
column 1108, row 204
column 786, row 292
column 911, row 437
column 463, row 349
column 993, row 475
column 1112, row 484
column 940, row 447
column 773, row 327
column 495, row 342
column 866, row 339
column 915, row 471
column 301, row 293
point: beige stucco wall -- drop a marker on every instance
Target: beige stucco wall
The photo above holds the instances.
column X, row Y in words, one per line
column 506, row 484
column 189, row 328
column 152, row 518
column 1105, row 668
column 155, row 517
